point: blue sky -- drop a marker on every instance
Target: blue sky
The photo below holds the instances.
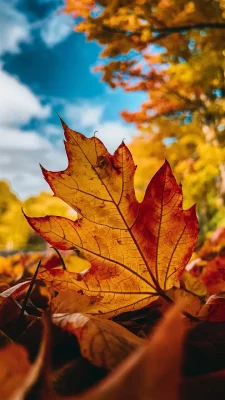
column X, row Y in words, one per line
column 45, row 68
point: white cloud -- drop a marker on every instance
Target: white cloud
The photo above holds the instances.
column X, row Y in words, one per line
column 111, row 133
column 16, row 139
column 56, row 28
column 51, row 130
column 84, row 115
column 88, row 117
column 18, row 104
column 23, row 151
column 14, row 28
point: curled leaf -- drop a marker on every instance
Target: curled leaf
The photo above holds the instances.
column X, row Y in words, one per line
column 9, row 307
column 14, row 291
column 151, row 372
column 102, row 342
column 214, row 309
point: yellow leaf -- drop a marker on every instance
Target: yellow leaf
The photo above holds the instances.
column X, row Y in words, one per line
column 146, row 35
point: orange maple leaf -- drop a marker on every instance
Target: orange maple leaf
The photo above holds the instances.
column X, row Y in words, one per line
column 136, row 250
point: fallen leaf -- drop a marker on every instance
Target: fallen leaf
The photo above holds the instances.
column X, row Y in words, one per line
column 9, row 312
column 4, row 339
column 193, row 284
column 213, row 275
column 12, row 372
column 136, row 250
column 205, row 387
column 14, row 291
column 17, row 375
column 214, row 309
column 151, row 372
column 12, row 267
column 214, row 245
column 190, row 303
column 9, row 307
column 70, row 302
column 87, row 375
column 204, row 349
column 103, row 342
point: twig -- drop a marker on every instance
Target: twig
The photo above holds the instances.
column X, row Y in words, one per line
column 29, row 290
column 60, row 257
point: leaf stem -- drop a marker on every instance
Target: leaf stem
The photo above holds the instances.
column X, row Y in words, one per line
column 29, row 290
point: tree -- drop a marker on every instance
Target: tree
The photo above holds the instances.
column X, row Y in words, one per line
column 174, row 52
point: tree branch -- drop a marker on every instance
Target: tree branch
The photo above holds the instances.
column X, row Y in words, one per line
column 161, row 33
column 177, row 29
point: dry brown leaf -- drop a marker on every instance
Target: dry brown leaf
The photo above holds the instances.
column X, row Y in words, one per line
column 151, row 372
column 193, row 284
column 191, row 304
column 17, row 375
column 9, row 308
column 14, row 291
column 103, row 342
column 214, row 309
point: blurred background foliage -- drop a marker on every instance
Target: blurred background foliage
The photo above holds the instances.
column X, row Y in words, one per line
column 174, row 51
column 15, row 232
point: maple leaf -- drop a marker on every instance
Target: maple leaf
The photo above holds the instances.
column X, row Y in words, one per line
column 136, row 250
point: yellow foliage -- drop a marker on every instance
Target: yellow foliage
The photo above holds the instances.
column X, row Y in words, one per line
column 15, row 232
column 184, row 84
